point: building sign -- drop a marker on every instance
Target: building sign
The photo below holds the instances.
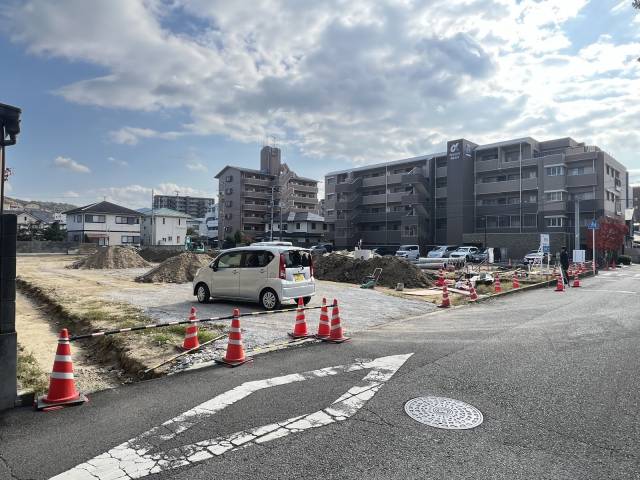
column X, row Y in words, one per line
column 454, row 151
column 544, row 243
column 467, row 150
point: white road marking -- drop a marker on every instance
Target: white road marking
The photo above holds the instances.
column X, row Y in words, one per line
column 132, row 459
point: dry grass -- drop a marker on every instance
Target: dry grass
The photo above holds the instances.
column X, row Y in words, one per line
column 30, row 375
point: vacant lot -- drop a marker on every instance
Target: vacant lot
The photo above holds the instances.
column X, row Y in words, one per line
column 111, row 298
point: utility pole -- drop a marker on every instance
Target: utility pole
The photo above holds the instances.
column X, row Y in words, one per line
column 274, row 188
column 577, row 224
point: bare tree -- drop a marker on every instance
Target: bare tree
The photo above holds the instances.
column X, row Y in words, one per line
column 636, row 4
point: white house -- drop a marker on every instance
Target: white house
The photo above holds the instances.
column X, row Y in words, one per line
column 103, row 223
column 27, row 221
column 163, row 226
column 208, row 227
column 301, row 228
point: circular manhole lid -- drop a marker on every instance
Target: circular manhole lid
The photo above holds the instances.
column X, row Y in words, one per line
column 441, row 412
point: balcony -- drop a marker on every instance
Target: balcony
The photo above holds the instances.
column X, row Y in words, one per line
column 373, row 199
column 304, row 188
column 349, row 187
column 441, row 172
column 582, row 180
column 306, row 200
column 374, row 181
column 378, row 217
column 262, row 195
column 257, row 181
column 395, row 197
column 349, row 204
column 499, row 187
column 252, row 207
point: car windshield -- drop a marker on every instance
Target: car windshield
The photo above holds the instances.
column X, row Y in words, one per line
column 405, row 247
column 296, row 258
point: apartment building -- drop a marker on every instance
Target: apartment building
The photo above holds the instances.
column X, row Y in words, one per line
column 103, row 223
column 502, row 195
column 245, row 195
column 195, row 207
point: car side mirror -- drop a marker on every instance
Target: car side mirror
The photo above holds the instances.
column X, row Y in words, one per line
column 214, row 267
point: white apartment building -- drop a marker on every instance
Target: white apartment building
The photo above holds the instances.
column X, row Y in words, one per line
column 103, row 223
column 163, row 226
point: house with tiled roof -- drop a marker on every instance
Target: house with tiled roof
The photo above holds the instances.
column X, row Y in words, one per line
column 104, row 223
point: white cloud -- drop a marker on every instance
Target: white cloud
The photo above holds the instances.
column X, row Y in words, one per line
column 71, row 194
column 360, row 80
column 196, row 166
column 122, row 163
column 67, row 163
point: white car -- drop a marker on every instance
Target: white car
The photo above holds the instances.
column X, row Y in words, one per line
column 463, row 252
column 410, row 252
column 267, row 274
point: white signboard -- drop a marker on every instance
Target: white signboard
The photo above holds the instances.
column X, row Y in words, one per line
column 544, row 239
column 578, row 256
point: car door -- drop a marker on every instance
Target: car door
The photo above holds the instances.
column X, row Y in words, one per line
column 226, row 275
column 254, row 274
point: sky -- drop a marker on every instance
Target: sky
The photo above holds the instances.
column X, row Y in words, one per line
column 124, row 97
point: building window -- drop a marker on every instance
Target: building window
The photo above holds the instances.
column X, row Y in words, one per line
column 555, row 196
column 556, row 171
column 297, row 226
column 441, row 162
column 530, row 198
column 127, row 220
column 94, row 219
column 229, row 191
column 285, row 227
column 584, row 196
column 124, row 239
column 76, row 238
column 229, row 178
column 530, row 220
column 313, row 226
column 324, row 226
column 441, row 182
column 579, row 171
column 78, row 218
column 227, row 203
column 163, row 220
column 555, row 222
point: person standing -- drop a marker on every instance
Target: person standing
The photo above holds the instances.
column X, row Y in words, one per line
column 564, row 264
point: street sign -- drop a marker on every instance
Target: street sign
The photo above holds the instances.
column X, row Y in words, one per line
column 544, row 239
column 143, row 455
column 593, row 225
column 579, row 256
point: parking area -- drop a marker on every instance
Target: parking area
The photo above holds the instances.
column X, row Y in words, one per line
column 359, row 308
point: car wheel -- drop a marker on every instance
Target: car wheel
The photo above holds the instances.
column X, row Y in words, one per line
column 202, row 293
column 269, row 299
column 306, row 300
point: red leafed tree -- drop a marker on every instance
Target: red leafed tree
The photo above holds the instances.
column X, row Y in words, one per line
column 609, row 237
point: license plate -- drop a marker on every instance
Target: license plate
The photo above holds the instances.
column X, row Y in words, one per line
column 298, row 277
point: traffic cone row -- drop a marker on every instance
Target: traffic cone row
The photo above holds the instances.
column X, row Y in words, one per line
column 300, row 327
column 324, row 330
column 62, row 386
column 516, row 283
column 559, row 284
column 336, row 335
column 235, row 355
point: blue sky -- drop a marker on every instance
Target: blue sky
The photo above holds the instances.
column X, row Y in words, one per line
column 120, row 97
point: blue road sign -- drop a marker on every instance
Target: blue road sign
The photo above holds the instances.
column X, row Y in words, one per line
column 593, row 225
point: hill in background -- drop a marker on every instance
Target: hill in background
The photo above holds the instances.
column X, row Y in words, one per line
column 46, row 206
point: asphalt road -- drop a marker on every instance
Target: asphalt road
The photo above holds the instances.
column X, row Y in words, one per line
column 554, row 374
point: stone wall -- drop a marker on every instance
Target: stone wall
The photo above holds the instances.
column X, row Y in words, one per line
column 43, row 246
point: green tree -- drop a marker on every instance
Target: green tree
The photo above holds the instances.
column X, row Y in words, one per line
column 54, row 233
column 237, row 237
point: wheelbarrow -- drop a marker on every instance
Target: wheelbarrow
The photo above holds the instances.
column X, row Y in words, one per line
column 370, row 281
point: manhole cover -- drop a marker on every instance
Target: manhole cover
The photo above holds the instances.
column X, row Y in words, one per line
column 443, row 412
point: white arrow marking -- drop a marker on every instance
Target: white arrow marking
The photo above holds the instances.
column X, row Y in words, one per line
column 132, row 459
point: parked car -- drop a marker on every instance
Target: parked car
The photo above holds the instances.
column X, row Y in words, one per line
column 480, row 256
column 328, row 247
column 463, row 252
column 442, row 251
column 410, row 252
column 267, row 274
column 318, row 250
column 534, row 255
column 385, row 250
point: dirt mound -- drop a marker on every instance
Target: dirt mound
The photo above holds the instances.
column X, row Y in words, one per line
column 338, row 268
column 111, row 257
column 179, row 269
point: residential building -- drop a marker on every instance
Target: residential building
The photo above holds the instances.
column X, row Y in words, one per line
column 103, row 223
column 246, row 195
column 300, row 228
column 195, row 207
column 636, row 203
column 501, row 194
column 208, row 227
column 28, row 221
column 163, row 226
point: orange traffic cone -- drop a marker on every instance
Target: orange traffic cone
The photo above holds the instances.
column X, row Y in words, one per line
column 576, row 281
column 559, row 284
column 336, row 335
column 497, row 286
column 324, row 330
column 235, row 352
column 300, row 327
column 445, row 298
column 474, row 295
column 440, row 282
column 62, row 386
column 515, row 283
column 191, row 333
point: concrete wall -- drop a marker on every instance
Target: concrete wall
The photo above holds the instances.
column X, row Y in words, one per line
column 37, row 246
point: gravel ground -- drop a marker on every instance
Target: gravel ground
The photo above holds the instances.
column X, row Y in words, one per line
column 359, row 309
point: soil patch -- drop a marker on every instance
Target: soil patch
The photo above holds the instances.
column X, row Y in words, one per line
column 340, row 268
column 110, row 258
column 179, row 269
